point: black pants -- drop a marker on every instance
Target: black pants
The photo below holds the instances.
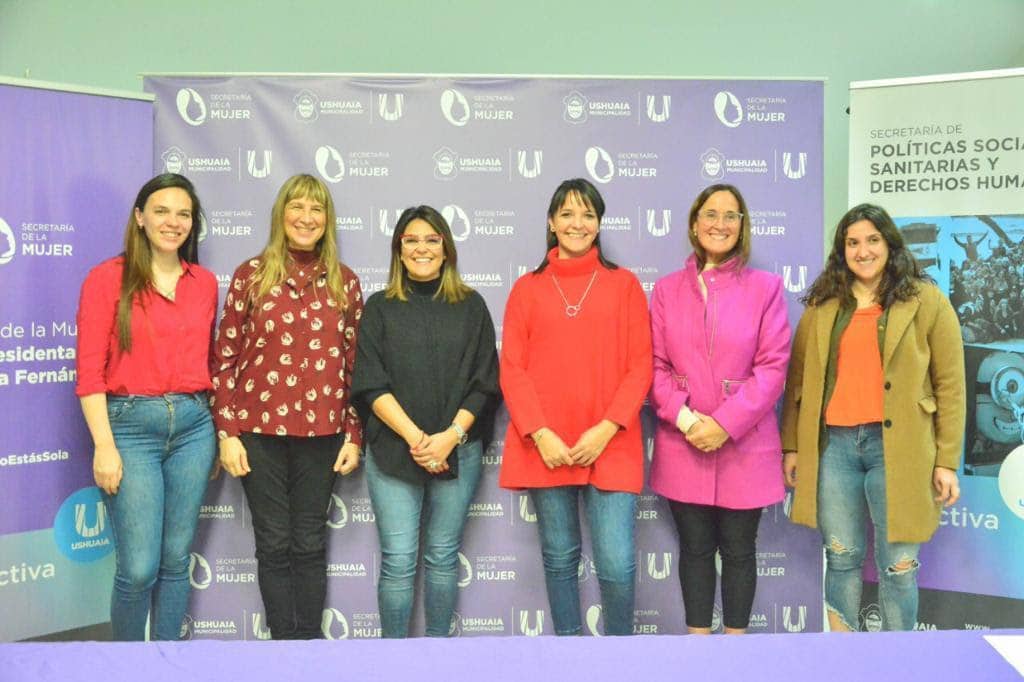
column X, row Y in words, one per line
column 703, row 529
column 288, row 491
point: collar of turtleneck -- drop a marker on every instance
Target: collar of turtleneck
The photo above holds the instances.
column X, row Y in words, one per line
column 424, row 288
column 568, row 267
column 303, row 258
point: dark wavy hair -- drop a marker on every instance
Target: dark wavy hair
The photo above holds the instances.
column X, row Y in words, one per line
column 588, row 195
column 900, row 278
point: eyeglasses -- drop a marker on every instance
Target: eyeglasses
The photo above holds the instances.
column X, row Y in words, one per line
column 729, row 217
column 411, row 242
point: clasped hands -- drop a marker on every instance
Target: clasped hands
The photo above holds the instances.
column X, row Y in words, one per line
column 706, row 434
column 431, row 450
column 584, row 452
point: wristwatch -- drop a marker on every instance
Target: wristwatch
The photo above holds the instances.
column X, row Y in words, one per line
column 460, row 432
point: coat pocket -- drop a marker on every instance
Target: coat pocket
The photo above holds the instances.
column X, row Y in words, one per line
column 681, row 382
column 731, row 386
column 928, row 404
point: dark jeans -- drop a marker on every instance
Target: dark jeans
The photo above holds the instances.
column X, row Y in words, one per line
column 288, row 491
column 703, row 529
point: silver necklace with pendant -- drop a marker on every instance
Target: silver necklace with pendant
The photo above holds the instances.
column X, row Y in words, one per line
column 572, row 310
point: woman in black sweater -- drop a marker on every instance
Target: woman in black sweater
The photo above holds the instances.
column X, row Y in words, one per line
column 426, row 384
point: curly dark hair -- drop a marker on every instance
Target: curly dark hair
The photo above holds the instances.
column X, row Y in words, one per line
column 900, row 279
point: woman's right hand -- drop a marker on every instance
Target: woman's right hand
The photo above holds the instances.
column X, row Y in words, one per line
column 233, row 456
column 552, row 449
column 789, row 468
column 107, row 468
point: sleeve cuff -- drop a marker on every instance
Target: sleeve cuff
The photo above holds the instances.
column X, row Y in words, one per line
column 686, row 419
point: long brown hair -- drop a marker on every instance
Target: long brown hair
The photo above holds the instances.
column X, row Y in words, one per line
column 900, row 278
column 452, row 288
column 273, row 267
column 137, row 271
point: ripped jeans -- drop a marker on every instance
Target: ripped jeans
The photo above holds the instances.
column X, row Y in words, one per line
column 851, row 486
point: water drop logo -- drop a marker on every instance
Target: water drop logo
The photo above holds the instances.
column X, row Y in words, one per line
column 258, row 171
column 594, row 624
column 390, row 106
column 203, row 229
column 599, row 165
column 728, row 109
column 455, row 107
column 797, row 172
column 8, row 246
column 333, row 624
column 329, row 164
column 191, row 106
column 458, row 221
column 199, row 572
column 337, row 512
column 653, row 114
column 81, row 528
column 465, row 571
column 1011, row 481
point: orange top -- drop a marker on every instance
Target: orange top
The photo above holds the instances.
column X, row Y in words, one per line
column 857, row 398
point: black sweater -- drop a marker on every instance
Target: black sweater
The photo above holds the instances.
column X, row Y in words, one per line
column 435, row 357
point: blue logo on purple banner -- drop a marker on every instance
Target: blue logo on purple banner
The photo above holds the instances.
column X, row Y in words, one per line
column 81, row 528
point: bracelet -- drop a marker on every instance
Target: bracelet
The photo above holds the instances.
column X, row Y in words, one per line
column 460, row 432
column 537, row 435
column 423, row 436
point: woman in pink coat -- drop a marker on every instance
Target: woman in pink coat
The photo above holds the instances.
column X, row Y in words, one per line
column 721, row 345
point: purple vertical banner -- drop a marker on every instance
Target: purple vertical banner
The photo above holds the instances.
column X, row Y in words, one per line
column 70, row 164
column 488, row 153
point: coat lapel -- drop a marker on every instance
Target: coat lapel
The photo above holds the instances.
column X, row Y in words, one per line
column 900, row 315
column 826, row 318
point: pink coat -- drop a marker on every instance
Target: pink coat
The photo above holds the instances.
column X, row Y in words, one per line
column 725, row 358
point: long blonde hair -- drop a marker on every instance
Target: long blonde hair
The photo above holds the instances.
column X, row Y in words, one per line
column 273, row 267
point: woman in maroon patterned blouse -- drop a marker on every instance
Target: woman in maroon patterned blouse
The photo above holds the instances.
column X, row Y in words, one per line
column 283, row 371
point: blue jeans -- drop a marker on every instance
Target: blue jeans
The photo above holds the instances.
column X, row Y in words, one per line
column 167, row 446
column 851, row 486
column 398, row 506
column 611, row 516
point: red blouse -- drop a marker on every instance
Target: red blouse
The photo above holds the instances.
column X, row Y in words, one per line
column 170, row 350
column 283, row 365
column 569, row 373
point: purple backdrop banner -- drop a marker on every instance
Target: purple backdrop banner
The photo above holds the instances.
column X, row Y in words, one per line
column 488, row 153
column 70, row 165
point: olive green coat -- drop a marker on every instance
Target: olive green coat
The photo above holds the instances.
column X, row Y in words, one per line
column 924, row 407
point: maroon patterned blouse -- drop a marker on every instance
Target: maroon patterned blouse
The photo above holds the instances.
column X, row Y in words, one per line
column 283, row 365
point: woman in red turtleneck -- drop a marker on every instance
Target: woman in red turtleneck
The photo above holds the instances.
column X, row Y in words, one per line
column 575, row 367
column 282, row 379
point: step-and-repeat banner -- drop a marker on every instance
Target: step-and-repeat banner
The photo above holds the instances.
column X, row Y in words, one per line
column 488, row 153
column 945, row 157
column 70, row 165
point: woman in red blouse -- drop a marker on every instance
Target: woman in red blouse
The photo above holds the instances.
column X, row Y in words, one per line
column 144, row 324
column 283, row 373
column 575, row 368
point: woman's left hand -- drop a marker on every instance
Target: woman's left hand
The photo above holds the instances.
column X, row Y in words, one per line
column 348, row 459
column 433, row 454
column 593, row 442
column 706, row 435
column 946, row 485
